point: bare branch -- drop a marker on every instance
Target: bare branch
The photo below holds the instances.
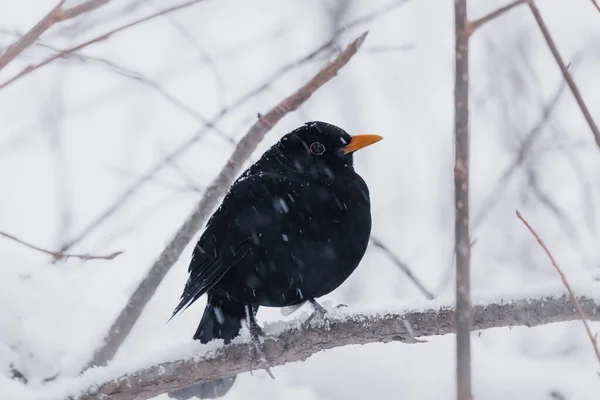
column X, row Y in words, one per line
column 57, row 14
column 566, row 283
column 82, row 8
column 144, row 292
column 299, row 343
column 62, row 256
column 595, row 3
column 565, row 70
column 462, row 239
column 402, row 265
column 97, row 39
column 478, row 23
column 42, row 26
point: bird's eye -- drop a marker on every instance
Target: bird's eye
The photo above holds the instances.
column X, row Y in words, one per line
column 317, row 148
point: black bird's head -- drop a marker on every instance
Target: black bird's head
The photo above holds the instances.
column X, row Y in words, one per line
column 320, row 149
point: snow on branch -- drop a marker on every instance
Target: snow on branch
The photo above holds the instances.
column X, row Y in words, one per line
column 298, row 341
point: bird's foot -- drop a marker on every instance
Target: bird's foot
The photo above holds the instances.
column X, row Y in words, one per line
column 319, row 309
column 319, row 313
column 257, row 354
column 256, row 332
column 257, row 335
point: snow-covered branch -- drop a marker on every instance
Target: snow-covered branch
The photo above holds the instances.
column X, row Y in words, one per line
column 297, row 342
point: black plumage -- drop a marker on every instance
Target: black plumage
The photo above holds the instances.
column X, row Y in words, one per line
column 292, row 228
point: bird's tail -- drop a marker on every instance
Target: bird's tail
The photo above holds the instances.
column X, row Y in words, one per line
column 222, row 319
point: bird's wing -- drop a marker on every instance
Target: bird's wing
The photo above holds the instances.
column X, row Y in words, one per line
column 207, row 272
column 224, row 243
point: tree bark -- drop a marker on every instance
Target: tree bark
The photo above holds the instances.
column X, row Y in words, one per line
column 462, row 241
column 298, row 342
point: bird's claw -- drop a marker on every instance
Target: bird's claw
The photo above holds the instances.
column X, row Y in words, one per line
column 257, row 355
column 320, row 313
column 256, row 332
column 319, row 309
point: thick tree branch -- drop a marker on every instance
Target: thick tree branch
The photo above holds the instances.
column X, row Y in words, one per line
column 57, row 14
column 298, row 342
column 565, row 70
column 462, row 238
column 62, row 256
column 144, row 292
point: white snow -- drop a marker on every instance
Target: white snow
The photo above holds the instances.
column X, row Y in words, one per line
column 74, row 136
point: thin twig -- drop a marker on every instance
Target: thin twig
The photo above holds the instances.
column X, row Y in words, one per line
column 144, row 292
column 478, row 23
column 523, row 153
column 155, row 86
column 565, row 70
column 27, row 70
column 57, row 14
column 566, row 283
column 62, row 256
column 402, row 265
column 461, row 202
column 595, row 3
column 204, row 56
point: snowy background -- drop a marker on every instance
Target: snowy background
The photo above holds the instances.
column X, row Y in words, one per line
column 78, row 133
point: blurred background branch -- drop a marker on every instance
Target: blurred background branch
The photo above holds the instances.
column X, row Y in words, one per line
column 61, row 256
column 56, row 15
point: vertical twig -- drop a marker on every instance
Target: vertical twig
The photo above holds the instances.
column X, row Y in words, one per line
column 565, row 70
column 461, row 199
column 566, row 283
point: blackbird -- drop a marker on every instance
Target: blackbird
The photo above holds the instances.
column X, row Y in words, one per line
column 292, row 228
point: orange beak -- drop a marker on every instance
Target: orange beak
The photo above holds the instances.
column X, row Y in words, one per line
column 359, row 141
